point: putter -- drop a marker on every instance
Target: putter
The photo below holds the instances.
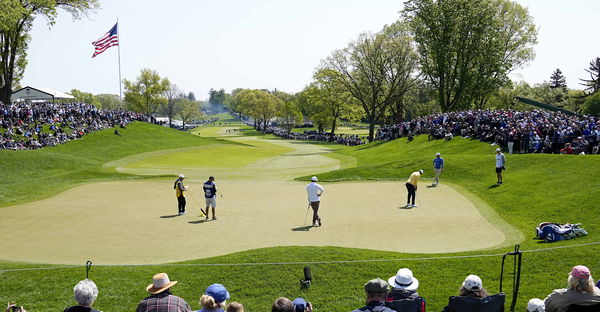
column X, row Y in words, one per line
column 306, row 216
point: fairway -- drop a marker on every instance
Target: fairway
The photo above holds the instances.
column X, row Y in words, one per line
column 126, row 222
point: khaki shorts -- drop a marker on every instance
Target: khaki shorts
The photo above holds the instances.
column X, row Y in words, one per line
column 211, row 201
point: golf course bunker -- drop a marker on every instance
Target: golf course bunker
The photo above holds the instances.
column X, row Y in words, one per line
column 135, row 222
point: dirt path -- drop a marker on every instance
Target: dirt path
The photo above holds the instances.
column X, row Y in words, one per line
column 128, row 222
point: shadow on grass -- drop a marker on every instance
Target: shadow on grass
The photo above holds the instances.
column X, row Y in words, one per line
column 493, row 186
column 305, row 228
column 169, row 216
column 430, row 186
column 198, row 221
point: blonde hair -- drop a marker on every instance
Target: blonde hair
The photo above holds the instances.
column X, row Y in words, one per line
column 581, row 284
column 208, row 303
column 234, row 307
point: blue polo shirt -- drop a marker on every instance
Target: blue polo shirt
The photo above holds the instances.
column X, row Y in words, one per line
column 438, row 163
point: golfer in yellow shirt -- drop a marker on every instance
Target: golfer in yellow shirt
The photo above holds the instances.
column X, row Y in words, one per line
column 411, row 186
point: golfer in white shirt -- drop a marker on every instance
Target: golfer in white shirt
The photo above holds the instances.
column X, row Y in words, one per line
column 314, row 191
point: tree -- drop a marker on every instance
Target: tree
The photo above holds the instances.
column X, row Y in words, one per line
column 191, row 96
column 314, row 108
column 592, row 105
column 558, row 80
column 376, row 69
column 145, row 95
column 170, row 107
column 16, row 20
column 592, row 85
column 109, row 101
column 468, row 47
column 258, row 104
column 189, row 111
column 85, row 97
column 289, row 115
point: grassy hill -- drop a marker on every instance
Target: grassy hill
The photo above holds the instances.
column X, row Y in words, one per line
column 537, row 188
column 34, row 174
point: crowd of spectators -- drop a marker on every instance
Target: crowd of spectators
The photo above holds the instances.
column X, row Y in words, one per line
column 37, row 125
column 397, row 294
column 344, row 139
column 536, row 131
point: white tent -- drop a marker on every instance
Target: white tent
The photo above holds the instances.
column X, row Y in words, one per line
column 36, row 94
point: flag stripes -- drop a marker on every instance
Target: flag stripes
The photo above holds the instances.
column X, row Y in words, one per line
column 110, row 39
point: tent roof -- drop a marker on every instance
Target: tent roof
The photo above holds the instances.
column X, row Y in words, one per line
column 31, row 93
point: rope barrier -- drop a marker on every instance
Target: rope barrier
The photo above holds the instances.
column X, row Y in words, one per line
column 298, row 262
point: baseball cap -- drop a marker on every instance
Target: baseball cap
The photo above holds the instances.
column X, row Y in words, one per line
column 218, row 292
column 376, row 286
column 299, row 304
column 580, row 271
column 498, row 150
column 473, row 283
column 536, row 305
column 420, row 171
column 314, row 179
column 437, row 154
column 181, row 175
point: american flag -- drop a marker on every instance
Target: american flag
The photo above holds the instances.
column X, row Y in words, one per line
column 110, row 39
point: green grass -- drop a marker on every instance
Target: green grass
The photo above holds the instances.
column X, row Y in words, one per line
column 32, row 175
column 557, row 188
column 339, row 130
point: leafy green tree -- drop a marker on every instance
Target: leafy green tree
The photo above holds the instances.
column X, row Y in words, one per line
column 314, row 108
column 189, row 110
column 145, row 95
column 232, row 102
column 85, row 97
column 575, row 100
column 16, row 20
column 558, row 80
column 592, row 105
column 592, row 85
column 109, row 101
column 468, row 47
column 191, row 96
column 260, row 105
column 376, row 69
column 289, row 115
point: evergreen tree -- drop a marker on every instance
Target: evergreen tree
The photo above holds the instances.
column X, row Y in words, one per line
column 592, row 85
column 558, row 80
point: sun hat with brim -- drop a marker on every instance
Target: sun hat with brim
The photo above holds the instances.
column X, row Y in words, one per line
column 404, row 279
column 218, row 292
column 536, row 305
column 160, row 283
column 580, row 271
column 473, row 283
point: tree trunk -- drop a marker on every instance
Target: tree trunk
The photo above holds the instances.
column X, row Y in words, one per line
column 371, row 130
column 333, row 125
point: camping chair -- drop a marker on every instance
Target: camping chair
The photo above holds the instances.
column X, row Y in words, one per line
column 494, row 303
column 416, row 304
column 581, row 308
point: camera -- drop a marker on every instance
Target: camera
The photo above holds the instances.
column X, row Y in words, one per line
column 16, row 309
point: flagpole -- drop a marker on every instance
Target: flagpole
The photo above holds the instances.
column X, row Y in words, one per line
column 119, row 53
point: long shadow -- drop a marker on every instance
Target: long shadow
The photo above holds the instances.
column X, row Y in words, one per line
column 305, row 228
column 430, row 186
column 198, row 221
column 405, row 207
column 170, row 216
column 493, row 186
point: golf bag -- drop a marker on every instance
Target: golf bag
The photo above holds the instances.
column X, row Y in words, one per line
column 554, row 232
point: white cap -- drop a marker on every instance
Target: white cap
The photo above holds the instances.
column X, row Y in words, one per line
column 473, row 283
column 420, row 171
column 314, row 179
column 437, row 154
column 498, row 150
column 536, row 305
column 181, row 176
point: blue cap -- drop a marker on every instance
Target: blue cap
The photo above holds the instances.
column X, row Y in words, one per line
column 299, row 304
column 218, row 292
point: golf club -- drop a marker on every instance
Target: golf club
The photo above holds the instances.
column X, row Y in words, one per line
column 198, row 203
column 306, row 216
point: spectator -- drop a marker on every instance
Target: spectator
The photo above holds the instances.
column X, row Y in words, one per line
column 567, row 150
column 376, row 291
column 214, row 298
column 11, row 306
column 282, row 304
column 234, row 307
column 404, row 292
column 472, row 287
column 580, row 291
column 536, row 305
column 161, row 298
column 85, row 293
column 301, row 305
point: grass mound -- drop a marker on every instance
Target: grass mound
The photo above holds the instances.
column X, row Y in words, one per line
column 34, row 174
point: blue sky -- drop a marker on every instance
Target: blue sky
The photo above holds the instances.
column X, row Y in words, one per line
column 268, row 44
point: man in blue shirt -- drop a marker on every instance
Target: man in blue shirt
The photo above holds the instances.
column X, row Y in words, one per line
column 438, row 167
column 210, row 196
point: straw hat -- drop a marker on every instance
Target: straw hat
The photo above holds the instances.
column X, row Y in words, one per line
column 160, row 283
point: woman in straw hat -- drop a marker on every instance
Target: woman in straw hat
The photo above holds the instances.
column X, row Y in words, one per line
column 161, row 299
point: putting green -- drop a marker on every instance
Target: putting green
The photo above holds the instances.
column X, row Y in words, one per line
column 136, row 223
